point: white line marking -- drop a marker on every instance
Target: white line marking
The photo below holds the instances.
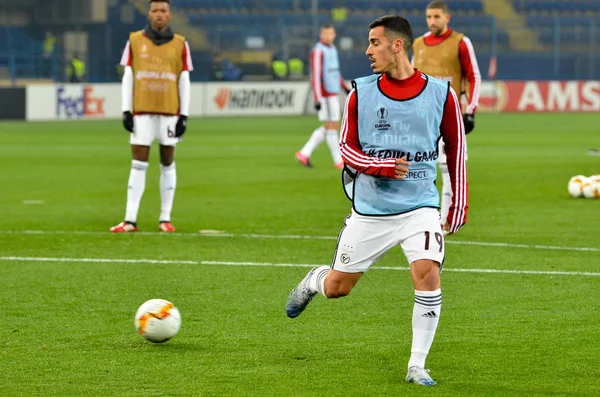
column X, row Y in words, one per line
column 27, row 202
column 204, row 233
column 530, row 246
column 268, row 264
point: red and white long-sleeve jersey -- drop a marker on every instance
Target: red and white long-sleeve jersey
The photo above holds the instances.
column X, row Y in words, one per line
column 317, row 60
column 468, row 64
column 451, row 129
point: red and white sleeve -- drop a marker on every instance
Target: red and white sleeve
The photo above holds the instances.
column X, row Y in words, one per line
column 316, row 72
column 187, row 58
column 352, row 151
column 127, row 56
column 184, row 85
column 127, row 81
column 453, row 133
column 470, row 69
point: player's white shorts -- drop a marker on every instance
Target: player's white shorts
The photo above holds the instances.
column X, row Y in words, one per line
column 330, row 109
column 442, row 151
column 148, row 127
column 365, row 239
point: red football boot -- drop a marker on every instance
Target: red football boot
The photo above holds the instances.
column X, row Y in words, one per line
column 124, row 227
column 166, row 227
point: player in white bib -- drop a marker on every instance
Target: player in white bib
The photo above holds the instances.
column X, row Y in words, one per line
column 327, row 84
column 392, row 123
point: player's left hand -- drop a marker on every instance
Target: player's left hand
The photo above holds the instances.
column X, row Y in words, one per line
column 181, row 126
column 446, row 229
column 469, row 120
column 401, row 168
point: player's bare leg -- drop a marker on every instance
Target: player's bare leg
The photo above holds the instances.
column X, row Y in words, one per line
column 135, row 189
column 323, row 280
column 426, row 314
column 168, row 183
column 333, row 141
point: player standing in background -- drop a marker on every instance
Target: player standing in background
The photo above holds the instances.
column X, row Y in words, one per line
column 327, row 83
column 391, row 126
column 156, row 102
column 448, row 55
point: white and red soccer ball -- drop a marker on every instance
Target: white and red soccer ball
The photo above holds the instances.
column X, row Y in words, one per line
column 582, row 186
column 157, row 320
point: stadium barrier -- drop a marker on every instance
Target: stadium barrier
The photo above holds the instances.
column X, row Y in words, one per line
column 12, row 103
column 103, row 101
column 254, row 99
column 540, row 96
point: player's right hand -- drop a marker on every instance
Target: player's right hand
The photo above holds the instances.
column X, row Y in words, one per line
column 317, row 106
column 401, row 168
column 128, row 121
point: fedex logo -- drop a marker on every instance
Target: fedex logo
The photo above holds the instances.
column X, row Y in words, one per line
column 84, row 104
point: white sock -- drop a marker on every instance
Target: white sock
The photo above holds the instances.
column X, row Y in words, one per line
column 334, row 145
column 135, row 189
column 168, row 182
column 446, row 193
column 315, row 140
column 426, row 315
column 317, row 281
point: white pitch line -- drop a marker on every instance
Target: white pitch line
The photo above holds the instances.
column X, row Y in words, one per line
column 33, row 202
column 530, row 246
column 292, row 237
column 97, row 260
column 268, row 264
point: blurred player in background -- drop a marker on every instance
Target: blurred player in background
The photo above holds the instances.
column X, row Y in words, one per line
column 390, row 131
column 327, row 83
column 448, row 55
column 156, row 102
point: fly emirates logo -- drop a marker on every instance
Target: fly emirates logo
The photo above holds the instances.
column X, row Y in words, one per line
column 147, row 74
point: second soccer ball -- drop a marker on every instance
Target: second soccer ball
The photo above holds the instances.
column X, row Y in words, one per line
column 591, row 189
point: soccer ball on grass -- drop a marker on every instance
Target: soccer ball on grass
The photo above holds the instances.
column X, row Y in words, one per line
column 575, row 186
column 157, row 320
column 591, row 189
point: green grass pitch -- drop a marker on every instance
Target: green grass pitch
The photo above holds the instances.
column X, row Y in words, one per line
column 521, row 279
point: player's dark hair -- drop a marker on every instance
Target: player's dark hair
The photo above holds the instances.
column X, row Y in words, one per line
column 397, row 26
column 326, row 25
column 438, row 5
column 159, row 1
